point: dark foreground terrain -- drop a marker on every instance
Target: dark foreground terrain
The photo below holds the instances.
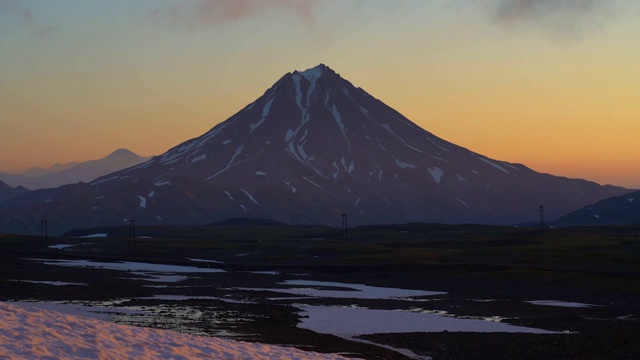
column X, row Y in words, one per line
column 483, row 272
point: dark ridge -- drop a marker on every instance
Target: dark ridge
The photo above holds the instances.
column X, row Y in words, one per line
column 247, row 222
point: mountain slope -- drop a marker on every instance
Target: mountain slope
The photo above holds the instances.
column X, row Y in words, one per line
column 618, row 210
column 84, row 171
column 7, row 192
column 310, row 149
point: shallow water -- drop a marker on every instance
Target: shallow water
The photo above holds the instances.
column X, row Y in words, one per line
column 350, row 291
column 351, row 322
column 559, row 303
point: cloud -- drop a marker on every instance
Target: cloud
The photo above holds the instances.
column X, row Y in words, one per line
column 217, row 12
column 561, row 19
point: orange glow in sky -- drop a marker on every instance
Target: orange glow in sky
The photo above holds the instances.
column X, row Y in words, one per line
column 556, row 89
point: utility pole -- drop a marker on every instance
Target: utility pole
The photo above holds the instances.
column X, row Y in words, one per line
column 345, row 235
column 541, row 219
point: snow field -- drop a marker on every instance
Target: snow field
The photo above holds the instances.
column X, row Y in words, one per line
column 29, row 332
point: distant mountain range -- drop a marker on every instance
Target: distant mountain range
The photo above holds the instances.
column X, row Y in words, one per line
column 71, row 173
column 57, row 167
column 7, row 192
column 618, row 210
column 312, row 148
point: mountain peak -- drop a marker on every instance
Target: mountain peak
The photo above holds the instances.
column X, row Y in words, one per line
column 315, row 72
column 123, row 153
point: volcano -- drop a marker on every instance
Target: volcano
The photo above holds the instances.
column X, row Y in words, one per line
column 311, row 148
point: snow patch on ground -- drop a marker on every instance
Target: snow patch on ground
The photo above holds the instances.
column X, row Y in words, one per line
column 98, row 235
column 60, row 246
column 260, row 173
column 630, row 200
column 31, row 332
column 163, row 183
column 229, row 195
column 66, row 246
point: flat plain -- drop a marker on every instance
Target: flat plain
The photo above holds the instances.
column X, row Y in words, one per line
column 570, row 293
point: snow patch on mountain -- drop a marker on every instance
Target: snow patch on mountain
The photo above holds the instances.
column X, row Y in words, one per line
column 265, row 113
column 293, row 189
column 199, row 158
column 313, row 74
column 436, row 173
column 249, row 196
column 485, row 160
column 439, row 158
column 463, row 203
column 143, row 201
column 229, row 164
column 338, row 118
column 313, row 183
column 404, row 165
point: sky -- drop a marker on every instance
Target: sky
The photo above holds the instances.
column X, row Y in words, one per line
column 552, row 84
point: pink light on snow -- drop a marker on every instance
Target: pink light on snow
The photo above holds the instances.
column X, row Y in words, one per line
column 30, row 332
